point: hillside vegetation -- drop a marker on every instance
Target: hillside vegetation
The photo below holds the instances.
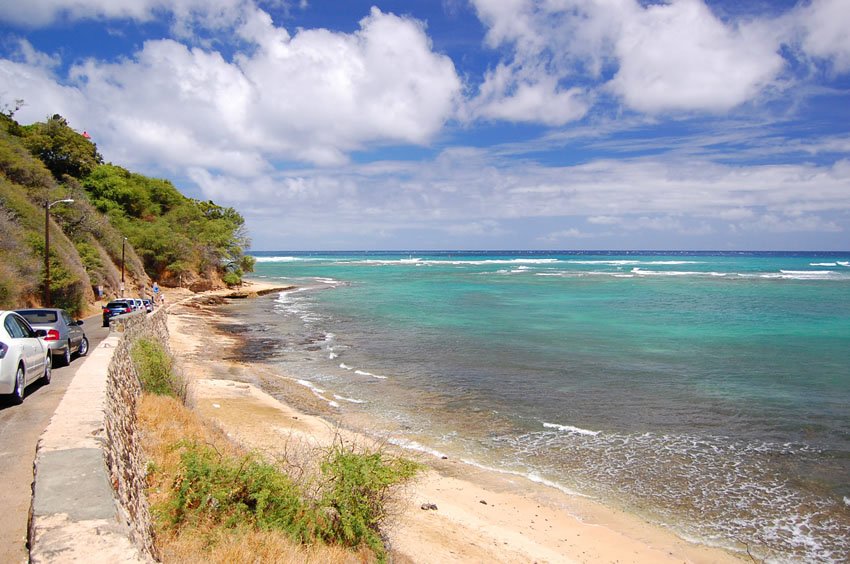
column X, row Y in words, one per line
column 170, row 238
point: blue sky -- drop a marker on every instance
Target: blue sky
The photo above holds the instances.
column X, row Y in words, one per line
column 463, row 124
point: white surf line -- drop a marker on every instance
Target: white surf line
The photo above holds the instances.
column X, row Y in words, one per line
column 317, row 392
column 349, row 400
column 571, row 429
column 364, row 373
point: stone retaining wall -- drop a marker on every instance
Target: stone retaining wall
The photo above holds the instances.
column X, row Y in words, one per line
column 124, row 457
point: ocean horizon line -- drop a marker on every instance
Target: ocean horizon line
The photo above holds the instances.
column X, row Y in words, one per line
column 707, row 252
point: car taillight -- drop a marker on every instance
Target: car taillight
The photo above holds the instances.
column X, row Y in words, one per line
column 128, row 310
column 3, row 348
column 52, row 335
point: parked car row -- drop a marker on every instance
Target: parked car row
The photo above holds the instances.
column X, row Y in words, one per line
column 24, row 355
column 125, row 305
column 30, row 340
column 64, row 335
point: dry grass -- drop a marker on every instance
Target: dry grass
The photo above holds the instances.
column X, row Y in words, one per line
column 267, row 547
column 164, row 422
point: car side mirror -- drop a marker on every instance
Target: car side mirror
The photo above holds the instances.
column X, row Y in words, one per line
column 40, row 332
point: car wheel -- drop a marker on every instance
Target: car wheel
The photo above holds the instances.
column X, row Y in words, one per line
column 20, row 385
column 48, row 368
column 66, row 356
column 84, row 347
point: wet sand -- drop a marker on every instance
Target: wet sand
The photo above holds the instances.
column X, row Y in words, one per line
column 474, row 516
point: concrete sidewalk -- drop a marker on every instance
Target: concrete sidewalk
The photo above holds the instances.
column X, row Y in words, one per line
column 75, row 516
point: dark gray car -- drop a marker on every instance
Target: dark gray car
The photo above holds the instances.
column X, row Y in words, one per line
column 64, row 335
column 117, row 307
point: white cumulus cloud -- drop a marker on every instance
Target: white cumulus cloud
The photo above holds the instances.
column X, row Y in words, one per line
column 679, row 56
column 332, row 92
column 658, row 57
column 826, row 31
column 184, row 14
column 314, row 96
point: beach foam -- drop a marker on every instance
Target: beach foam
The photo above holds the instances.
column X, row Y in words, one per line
column 807, row 273
column 364, row 373
column 277, row 259
column 349, row 400
column 286, row 259
column 642, row 272
column 697, row 475
column 448, row 262
column 570, row 429
column 531, row 476
column 634, row 262
column 318, row 392
column 414, row 446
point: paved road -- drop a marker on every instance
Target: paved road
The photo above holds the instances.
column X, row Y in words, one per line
column 20, row 428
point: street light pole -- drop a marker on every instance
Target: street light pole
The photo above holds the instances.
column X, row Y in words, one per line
column 123, row 242
column 47, row 206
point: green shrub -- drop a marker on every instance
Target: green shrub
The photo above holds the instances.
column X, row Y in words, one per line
column 216, row 489
column 232, row 278
column 155, row 368
column 212, row 490
column 91, row 260
column 358, row 488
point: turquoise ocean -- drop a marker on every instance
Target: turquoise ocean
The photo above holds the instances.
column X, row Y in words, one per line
column 708, row 392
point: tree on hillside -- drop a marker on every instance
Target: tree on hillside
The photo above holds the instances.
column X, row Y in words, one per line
column 60, row 148
column 176, row 237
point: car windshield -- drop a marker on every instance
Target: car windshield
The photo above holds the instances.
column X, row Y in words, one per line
column 36, row 317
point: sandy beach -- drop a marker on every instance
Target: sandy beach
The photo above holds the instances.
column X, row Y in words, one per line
column 452, row 512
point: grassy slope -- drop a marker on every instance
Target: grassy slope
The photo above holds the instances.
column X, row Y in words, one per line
column 172, row 238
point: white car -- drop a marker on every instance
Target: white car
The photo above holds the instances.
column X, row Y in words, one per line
column 24, row 356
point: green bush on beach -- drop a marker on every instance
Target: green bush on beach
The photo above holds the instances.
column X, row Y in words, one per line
column 358, row 486
column 213, row 490
column 216, row 489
